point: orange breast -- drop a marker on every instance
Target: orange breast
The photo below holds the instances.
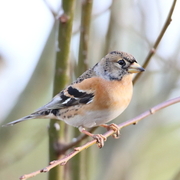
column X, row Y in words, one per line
column 110, row 95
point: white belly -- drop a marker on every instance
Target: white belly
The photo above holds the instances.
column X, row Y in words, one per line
column 93, row 119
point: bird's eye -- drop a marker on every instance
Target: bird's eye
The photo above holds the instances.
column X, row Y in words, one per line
column 122, row 62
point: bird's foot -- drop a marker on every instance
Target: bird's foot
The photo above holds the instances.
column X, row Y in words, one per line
column 113, row 127
column 98, row 137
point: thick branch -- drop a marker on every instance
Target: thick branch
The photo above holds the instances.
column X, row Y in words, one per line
column 153, row 49
column 61, row 80
column 84, row 36
column 77, row 150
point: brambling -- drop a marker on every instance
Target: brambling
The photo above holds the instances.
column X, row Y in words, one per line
column 98, row 96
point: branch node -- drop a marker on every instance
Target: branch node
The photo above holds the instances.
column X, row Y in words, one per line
column 77, row 148
column 63, row 163
column 135, row 123
column 152, row 111
column 63, row 18
column 44, row 170
column 22, row 177
column 52, row 162
column 153, row 50
column 169, row 21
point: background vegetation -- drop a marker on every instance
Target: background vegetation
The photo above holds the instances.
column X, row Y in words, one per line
column 149, row 150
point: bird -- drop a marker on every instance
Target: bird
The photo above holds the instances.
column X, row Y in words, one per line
column 95, row 98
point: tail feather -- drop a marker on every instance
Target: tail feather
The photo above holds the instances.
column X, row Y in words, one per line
column 31, row 116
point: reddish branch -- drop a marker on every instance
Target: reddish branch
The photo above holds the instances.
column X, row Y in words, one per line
column 77, row 150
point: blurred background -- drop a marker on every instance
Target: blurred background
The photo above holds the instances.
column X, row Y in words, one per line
column 28, row 46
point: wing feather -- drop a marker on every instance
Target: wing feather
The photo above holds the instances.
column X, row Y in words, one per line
column 68, row 97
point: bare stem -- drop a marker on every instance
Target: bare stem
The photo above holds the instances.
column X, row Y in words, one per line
column 77, row 150
column 61, row 80
column 77, row 170
column 84, row 36
column 77, row 141
column 158, row 40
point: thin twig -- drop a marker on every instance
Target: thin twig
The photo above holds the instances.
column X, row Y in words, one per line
column 77, row 150
column 153, row 49
column 77, row 141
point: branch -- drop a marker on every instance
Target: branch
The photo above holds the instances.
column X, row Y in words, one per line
column 153, row 50
column 84, row 36
column 77, row 150
column 80, row 67
column 61, row 79
column 77, row 141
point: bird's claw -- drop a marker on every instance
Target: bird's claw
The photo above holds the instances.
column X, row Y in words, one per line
column 113, row 127
column 116, row 130
column 100, row 139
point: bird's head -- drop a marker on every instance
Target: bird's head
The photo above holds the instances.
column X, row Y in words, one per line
column 116, row 64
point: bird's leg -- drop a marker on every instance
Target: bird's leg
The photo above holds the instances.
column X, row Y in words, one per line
column 113, row 127
column 98, row 137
